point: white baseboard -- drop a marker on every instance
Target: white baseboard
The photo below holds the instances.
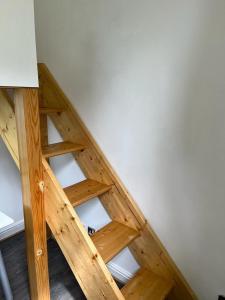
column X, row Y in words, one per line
column 119, row 273
column 12, row 230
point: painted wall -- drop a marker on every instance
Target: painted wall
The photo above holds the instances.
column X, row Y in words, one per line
column 18, row 62
column 147, row 77
column 10, row 198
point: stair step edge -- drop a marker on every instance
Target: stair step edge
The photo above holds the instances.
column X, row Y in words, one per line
column 61, row 148
column 147, row 285
column 113, row 238
column 85, row 190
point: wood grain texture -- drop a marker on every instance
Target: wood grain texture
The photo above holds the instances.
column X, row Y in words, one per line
column 77, row 247
column 8, row 126
column 118, row 202
column 43, row 121
column 47, row 111
column 145, row 286
column 44, row 143
column 60, row 149
column 85, row 190
column 44, row 130
column 29, row 141
column 113, row 238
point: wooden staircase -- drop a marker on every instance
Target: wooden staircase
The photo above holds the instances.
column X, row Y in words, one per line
column 158, row 277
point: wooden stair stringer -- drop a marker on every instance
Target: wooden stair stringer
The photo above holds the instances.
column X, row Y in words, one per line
column 76, row 245
column 118, row 202
column 60, row 149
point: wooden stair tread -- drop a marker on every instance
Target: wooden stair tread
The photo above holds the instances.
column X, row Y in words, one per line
column 113, row 238
column 85, row 190
column 49, row 110
column 146, row 285
column 60, row 148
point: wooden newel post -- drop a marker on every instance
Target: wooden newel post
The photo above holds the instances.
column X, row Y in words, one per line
column 29, row 140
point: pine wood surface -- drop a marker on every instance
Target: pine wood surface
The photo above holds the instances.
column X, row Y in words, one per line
column 46, row 110
column 29, row 142
column 146, row 286
column 85, row 190
column 77, row 247
column 113, row 238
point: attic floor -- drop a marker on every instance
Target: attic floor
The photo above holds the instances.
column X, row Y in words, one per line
column 62, row 281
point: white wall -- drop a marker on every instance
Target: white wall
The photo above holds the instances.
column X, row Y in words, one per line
column 18, row 63
column 147, row 77
column 10, row 187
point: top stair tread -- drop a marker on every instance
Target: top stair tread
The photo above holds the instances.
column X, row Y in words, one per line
column 146, row 285
column 61, row 148
column 85, row 190
column 113, row 238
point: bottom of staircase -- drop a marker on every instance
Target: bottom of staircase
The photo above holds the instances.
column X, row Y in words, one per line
column 145, row 286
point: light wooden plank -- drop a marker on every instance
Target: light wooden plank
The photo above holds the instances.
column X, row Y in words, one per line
column 44, row 142
column 145, row 286
column 77, row 247
column 92, row 161
column 46, row 110
column 85, row 190
column 28, row 132
column 8, row 126
column 113, row 238
column 43, row 121
column 60, row 149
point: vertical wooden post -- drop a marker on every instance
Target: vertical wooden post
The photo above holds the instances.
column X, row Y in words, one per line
column 28, row 130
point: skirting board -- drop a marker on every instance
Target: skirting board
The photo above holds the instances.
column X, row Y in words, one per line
column 119, row 273
column 12, row 230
